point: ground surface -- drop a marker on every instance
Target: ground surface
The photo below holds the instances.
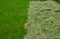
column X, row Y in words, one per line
column 13, row 15
column 43, row 20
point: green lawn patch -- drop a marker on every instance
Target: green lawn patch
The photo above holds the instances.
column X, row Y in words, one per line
column 13, row 15
column 39, row 0
column 58, row 1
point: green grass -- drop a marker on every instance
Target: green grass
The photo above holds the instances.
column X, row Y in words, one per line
column 58, row 1
column 13, row 15
column 39, row 0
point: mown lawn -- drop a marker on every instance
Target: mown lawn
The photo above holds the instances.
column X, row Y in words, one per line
column 58, row 1
column 13, row 15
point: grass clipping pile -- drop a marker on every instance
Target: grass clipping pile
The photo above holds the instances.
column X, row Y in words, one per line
column 43, row 21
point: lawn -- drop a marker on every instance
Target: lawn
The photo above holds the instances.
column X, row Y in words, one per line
column 58, row 1
column 13, row 15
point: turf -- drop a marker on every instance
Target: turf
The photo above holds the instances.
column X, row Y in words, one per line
column 39, row 0
column 58, row 1
column 13, row 15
